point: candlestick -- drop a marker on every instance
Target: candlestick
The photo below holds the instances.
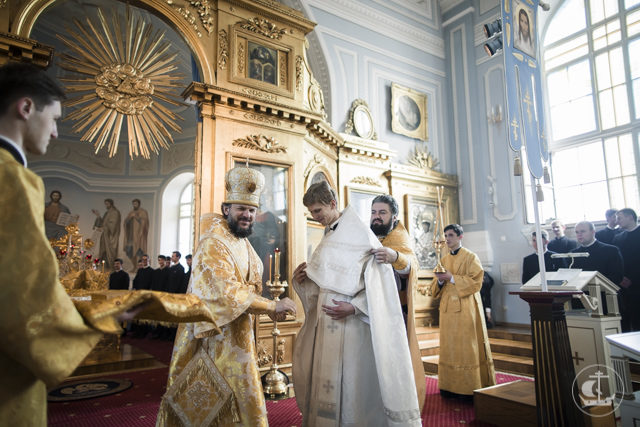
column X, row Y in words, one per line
column 81, row 244
column 270, row 262
column 103, row 266
column 277, row 262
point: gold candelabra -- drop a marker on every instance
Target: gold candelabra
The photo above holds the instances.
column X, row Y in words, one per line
column 275, row 382
column 71, row 249
column 439, row 241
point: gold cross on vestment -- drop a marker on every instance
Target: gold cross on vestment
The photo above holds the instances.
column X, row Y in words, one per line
column 515, row 126
column 527, row 100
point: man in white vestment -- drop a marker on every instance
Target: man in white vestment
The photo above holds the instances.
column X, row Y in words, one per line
column 351, row 361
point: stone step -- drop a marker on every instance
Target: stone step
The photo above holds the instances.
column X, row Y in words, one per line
column 429, row 347
column 511, row 347
column 502, row 362
column 511, row 333
column 427, row 333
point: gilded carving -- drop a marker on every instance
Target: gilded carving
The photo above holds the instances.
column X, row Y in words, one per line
column 283, row 69
column 223, row 53
column 264, row 358
column 264, row 27
column 316, row 98
column 262, row 143
column 258, row 94
column 280, row 352
column 423, row 159
column 298, row 73
column 3, row 3
column 263, row 119
column 241, row 58
column 112, row 88
column 365, row 180
column 316, row 161
column 203, row 11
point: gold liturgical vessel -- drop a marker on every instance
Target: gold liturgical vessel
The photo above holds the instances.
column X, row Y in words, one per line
column 438, row 233
column 275, row 382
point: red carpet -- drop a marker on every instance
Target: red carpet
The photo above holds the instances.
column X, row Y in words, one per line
column 138, row 406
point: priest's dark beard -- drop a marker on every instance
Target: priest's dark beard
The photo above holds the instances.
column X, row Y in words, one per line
column 382, row 229
column 236, row 230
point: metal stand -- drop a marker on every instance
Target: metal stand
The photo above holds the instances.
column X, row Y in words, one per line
column 275, row 382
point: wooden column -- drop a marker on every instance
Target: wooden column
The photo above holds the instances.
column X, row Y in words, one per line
column 554, row 372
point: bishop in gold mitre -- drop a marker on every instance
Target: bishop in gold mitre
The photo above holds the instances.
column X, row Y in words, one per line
column 213, row 376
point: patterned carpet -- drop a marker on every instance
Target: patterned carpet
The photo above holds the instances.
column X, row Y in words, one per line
column 138, row 406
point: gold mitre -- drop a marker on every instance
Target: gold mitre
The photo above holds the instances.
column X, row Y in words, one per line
column 244, row 186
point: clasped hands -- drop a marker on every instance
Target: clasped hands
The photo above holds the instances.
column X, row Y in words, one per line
column 385, row 255
column 284, row 306
column 444, row 277
column 340, row 310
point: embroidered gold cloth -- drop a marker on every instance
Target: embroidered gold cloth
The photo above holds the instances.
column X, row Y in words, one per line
column 87, row 280
column 465, row 355
column 159, row 306
column 398, row 240
column 42, row 336
column 226, row 276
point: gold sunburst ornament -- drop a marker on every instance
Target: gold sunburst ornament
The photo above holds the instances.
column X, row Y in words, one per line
column 124, row 75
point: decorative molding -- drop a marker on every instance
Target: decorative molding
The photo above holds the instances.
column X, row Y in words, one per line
column 241, row 59
column 372, row 19
column 223, row 49
column 3, row 3
column 423, row 159
column 366, row 180
column 298, row 73
column 283, row 70
column 421, row 11
column 447, row 5
column 457, row 123
column 264, row 119
column 264, row 358
column 260, row 95
column 202, row 10
column 316, row 98
column 317, row 160
column 280, row 351
column 457, row 16
column 25, row 50
column 264, row 27
column 266, row 144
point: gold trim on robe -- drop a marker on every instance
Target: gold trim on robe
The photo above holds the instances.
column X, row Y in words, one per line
column 398, row 239
column 226, row 276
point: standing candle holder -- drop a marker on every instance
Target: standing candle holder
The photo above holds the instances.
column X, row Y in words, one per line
column 438, row 234
column 275, row 382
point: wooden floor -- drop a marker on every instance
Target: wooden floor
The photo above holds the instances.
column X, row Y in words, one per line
column 510, row 346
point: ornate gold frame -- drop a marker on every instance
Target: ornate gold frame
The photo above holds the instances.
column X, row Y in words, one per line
column 427, row 263
column 409, row 112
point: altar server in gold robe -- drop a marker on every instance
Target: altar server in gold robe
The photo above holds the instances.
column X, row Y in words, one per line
column 465, row 362
column 351, row 361
column 43, row 338
column 213, row 376
column 396, row 250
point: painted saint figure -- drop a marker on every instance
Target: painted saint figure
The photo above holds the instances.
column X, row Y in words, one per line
column 136, row 229
column 52, row 211
column 109, row 224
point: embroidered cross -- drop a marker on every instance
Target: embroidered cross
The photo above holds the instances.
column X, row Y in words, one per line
column 327, row 387
column 332, row 326
column 514, row 125
column 577, row 359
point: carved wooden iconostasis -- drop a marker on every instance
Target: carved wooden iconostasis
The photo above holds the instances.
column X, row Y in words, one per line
column 259, row 104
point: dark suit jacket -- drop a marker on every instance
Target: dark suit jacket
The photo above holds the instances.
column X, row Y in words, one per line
column 143, row 278
column 562, row 245
column 530, row 265
column 603, row 258
column 160, row 279
column 176, row 278
column 119, row 280
column 629, row 244
column 606, row 235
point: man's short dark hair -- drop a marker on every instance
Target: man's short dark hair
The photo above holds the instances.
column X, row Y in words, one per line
column 162, row 257
column 110, row 201
column 629, row 212
column 389, row 200
column 610, row 212
column 143, row 255
column 543, row 233
column 118, row 260
column 457, row 228
column 177, row 253
column 320, row 192
column 188, row 256
column 19, row 80
column 136, row 200
column 55, row 191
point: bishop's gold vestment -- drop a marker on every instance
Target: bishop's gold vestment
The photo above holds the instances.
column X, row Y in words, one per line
column 42, row 336
column 398, row 240
column 465, row 363
column 213, row 376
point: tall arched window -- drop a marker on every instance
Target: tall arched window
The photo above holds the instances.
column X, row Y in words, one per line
column 591, row 53
column 176, row 231
column 185, row 220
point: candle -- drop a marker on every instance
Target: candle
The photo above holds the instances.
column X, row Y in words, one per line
column 270, row 262
column 81, row 244
column 277, row 262
column 103, row 266
column 69, row 244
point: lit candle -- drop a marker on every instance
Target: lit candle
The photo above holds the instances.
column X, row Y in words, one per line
column 270, row 262
column 277, row 262
column 103, row 266
column 69, row 244
column 81, row 244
